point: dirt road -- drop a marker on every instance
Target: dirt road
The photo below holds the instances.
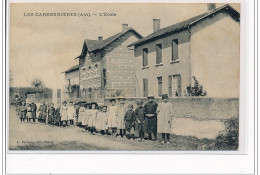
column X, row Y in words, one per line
column 36, row 136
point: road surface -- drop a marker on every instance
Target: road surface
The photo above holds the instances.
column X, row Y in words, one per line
column 36, row 136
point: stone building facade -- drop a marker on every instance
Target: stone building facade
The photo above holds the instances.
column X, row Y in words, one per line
column 106, row 67
column 206, row 46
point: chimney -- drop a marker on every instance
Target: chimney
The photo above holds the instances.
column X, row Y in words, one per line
column 211, row 6
column 100, row 38
column 124, row 27
column 156, row 25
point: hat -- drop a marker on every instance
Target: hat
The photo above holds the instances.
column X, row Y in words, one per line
column 94, row 103
column 150, row 97
column 164, row 96
column 121, row 99
column 140, row 102
column 112, row 99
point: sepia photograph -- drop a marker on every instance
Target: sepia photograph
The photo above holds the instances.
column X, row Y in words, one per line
column 124, row 77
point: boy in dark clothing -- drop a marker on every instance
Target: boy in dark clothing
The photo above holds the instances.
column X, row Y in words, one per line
column 34, row 108
column 139, row 121
column 129, row 120
column 51, row 112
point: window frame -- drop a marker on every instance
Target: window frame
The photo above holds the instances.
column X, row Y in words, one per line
column 145, row 57
column 173, row 59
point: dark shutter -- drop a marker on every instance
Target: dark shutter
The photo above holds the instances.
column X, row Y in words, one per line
column 175, row 49
column 145, row 57
column 158, row 53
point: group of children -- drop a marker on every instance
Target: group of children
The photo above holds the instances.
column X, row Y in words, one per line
column 115, row 120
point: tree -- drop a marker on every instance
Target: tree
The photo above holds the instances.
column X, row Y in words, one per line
column 197, row 89
column 37, row 83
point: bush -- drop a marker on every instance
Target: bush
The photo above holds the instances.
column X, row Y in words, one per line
column 228, row 140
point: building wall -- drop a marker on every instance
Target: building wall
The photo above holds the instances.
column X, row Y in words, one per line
column 120, row 66
column 117, row 60
column 215, row 55
column 90, row 76
column 73, row 76
column 168, row 68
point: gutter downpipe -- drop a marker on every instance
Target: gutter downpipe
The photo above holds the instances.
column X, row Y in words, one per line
column 189, row 54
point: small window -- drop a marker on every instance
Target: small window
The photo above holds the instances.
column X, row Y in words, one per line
column 159, row 85
column 158, row 53
column 145, row 57
column 175, row 55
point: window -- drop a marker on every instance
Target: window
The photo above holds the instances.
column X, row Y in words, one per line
column 145, row 87
column 145, row 57
column 159, row 86
column 158, row 53
column 58, row 93
column 175, row 55
column 170, row 86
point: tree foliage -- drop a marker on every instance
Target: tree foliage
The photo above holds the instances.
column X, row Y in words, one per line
column 37, row 83
column 196, row 89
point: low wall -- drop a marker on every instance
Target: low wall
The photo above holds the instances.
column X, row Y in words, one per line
column 201, row 117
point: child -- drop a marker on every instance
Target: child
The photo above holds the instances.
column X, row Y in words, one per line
column 111, row 124
column 23, row 111
column 92, row 117
column 121, row 110
column 81, row 114
column 139, row 122
column 129, row 120
column 51, row 112
column 57, row 117
column 71, row 114
column 29, row 112
column 85, row 116
column 43, row 112
column 76, row 106
column 102, row 120
column 38, row 104
column 64, row 114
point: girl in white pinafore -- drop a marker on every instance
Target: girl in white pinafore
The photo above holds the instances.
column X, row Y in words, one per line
column 92, row 117
column 64, row 113
column 71, row 114
column 84, row 118
column 112, row 124
column 81, row 114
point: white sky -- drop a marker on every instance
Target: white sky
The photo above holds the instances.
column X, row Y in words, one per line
column 46, row 46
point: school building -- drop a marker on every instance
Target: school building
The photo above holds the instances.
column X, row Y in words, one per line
column 106, row 66
column 206, row 46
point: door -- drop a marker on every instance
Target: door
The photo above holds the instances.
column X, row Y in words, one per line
column 176, row 84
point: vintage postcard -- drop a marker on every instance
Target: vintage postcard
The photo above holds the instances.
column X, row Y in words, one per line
column 124, row 76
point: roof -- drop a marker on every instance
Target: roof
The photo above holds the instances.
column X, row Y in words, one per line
column 186, row 24
column 93, row 45
column 73, row 68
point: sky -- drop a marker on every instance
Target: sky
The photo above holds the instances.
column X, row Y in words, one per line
column 45, row 46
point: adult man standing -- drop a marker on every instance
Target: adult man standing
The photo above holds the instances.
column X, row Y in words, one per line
column 34, row 109
column 151, row 117
column 165, row 114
